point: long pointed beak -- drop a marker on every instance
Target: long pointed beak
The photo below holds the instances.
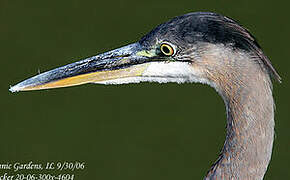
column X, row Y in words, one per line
column 128, row 61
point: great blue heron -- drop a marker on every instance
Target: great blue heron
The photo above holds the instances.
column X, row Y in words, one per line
column 199, row 47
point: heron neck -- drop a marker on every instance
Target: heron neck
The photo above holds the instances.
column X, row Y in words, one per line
column 250, row 127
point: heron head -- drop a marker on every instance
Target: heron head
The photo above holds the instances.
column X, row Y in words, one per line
column 191, row 48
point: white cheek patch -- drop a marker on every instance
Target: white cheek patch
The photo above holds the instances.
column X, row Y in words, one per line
column 180, row 71
column 164, row 72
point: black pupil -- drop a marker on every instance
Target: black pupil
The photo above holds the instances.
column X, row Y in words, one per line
column 166, row 50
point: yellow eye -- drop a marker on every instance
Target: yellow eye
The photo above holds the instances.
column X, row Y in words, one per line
column 167, row 49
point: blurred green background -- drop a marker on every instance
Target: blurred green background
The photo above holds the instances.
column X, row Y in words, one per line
column 136, row 131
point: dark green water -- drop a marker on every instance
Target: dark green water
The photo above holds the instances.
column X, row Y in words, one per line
column 138, row 131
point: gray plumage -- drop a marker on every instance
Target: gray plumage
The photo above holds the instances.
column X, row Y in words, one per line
column 199, row 47
column 212, row 28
